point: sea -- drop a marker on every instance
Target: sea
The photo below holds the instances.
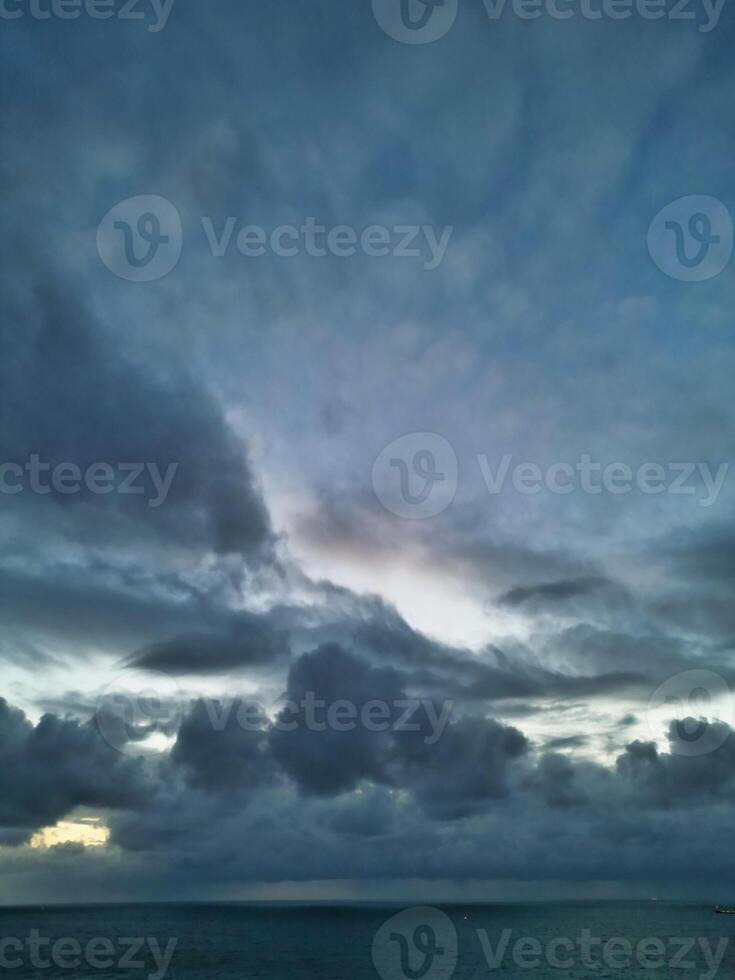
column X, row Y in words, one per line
column 560, row 941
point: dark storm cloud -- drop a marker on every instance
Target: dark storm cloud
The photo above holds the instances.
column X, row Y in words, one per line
column 251, row 640
column 450, row 772
column 595, row 634
column 117, row 608
column 450, row 769
column 370, row 815
column 507, row 679
column 567, row 742
column 672, row 780
column 78, row 604
column 376, row 628
column 172, row 624
column 555, row 780
column 224, row 807
column 590, row 623
column 329, row 762
column 48, row 769
column 701, row 563
column 373, row 628
column 654, row 653
column 553, row 591
column 70, row 395
column 222, row 746
column 467, row 769
column 210, row 851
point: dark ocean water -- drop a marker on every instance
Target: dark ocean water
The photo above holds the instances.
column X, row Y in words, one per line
column 276, row 942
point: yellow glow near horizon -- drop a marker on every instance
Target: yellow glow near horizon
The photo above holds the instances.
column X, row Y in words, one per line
column 89, row 832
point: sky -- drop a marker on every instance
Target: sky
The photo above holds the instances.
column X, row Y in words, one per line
column 366, row 426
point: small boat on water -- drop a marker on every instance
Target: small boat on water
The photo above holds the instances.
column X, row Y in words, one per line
column 720, row 910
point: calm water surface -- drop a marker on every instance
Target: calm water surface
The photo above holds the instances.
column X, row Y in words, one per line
column 276, row 942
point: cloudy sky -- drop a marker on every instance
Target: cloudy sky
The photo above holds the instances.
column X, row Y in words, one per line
column 341, row 367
